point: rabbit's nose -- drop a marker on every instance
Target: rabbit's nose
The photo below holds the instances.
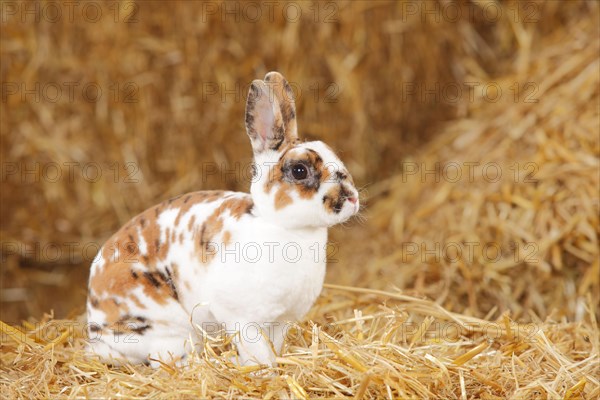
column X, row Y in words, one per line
column 352, row 200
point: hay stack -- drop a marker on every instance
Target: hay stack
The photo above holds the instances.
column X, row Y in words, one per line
column 170, row 117
column 500, row 211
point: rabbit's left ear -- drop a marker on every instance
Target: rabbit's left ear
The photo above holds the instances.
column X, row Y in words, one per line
column 264, row 122
column 282, row 90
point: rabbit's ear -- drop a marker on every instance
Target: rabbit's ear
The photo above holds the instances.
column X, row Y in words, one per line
column 284, row 94
column 264, row 122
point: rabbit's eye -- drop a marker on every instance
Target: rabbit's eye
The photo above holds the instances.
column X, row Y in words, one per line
column 299, row 172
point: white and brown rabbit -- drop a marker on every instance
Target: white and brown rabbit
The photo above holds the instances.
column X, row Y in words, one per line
column 247, row 262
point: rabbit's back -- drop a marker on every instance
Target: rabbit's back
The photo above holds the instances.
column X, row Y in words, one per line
column 141, row 275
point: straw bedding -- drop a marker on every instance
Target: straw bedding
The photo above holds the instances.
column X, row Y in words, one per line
column 360, row 343
column 478, row 286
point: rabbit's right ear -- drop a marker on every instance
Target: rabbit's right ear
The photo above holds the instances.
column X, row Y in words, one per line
column 264, row 122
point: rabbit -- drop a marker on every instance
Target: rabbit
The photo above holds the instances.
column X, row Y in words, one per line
column 246, row 263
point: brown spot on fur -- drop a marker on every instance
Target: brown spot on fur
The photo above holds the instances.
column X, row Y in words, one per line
column 335, row 198
column 237, row 206
column 129, row 324
column 160, row 280
column 175, row 269
column 192, row 199
column 131, row 248
column 156, row 289
column 169, row 281
column 191, row 223
column 117, row 280
column 172, row 199
column 212, row 227
column 137, row 301
column 152, row 279
column 112, row 309
column 119, row 248
column 226, row 237
column 282, row 198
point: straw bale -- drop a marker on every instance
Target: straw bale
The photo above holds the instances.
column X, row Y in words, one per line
column 500, row 211
column 173, row 80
